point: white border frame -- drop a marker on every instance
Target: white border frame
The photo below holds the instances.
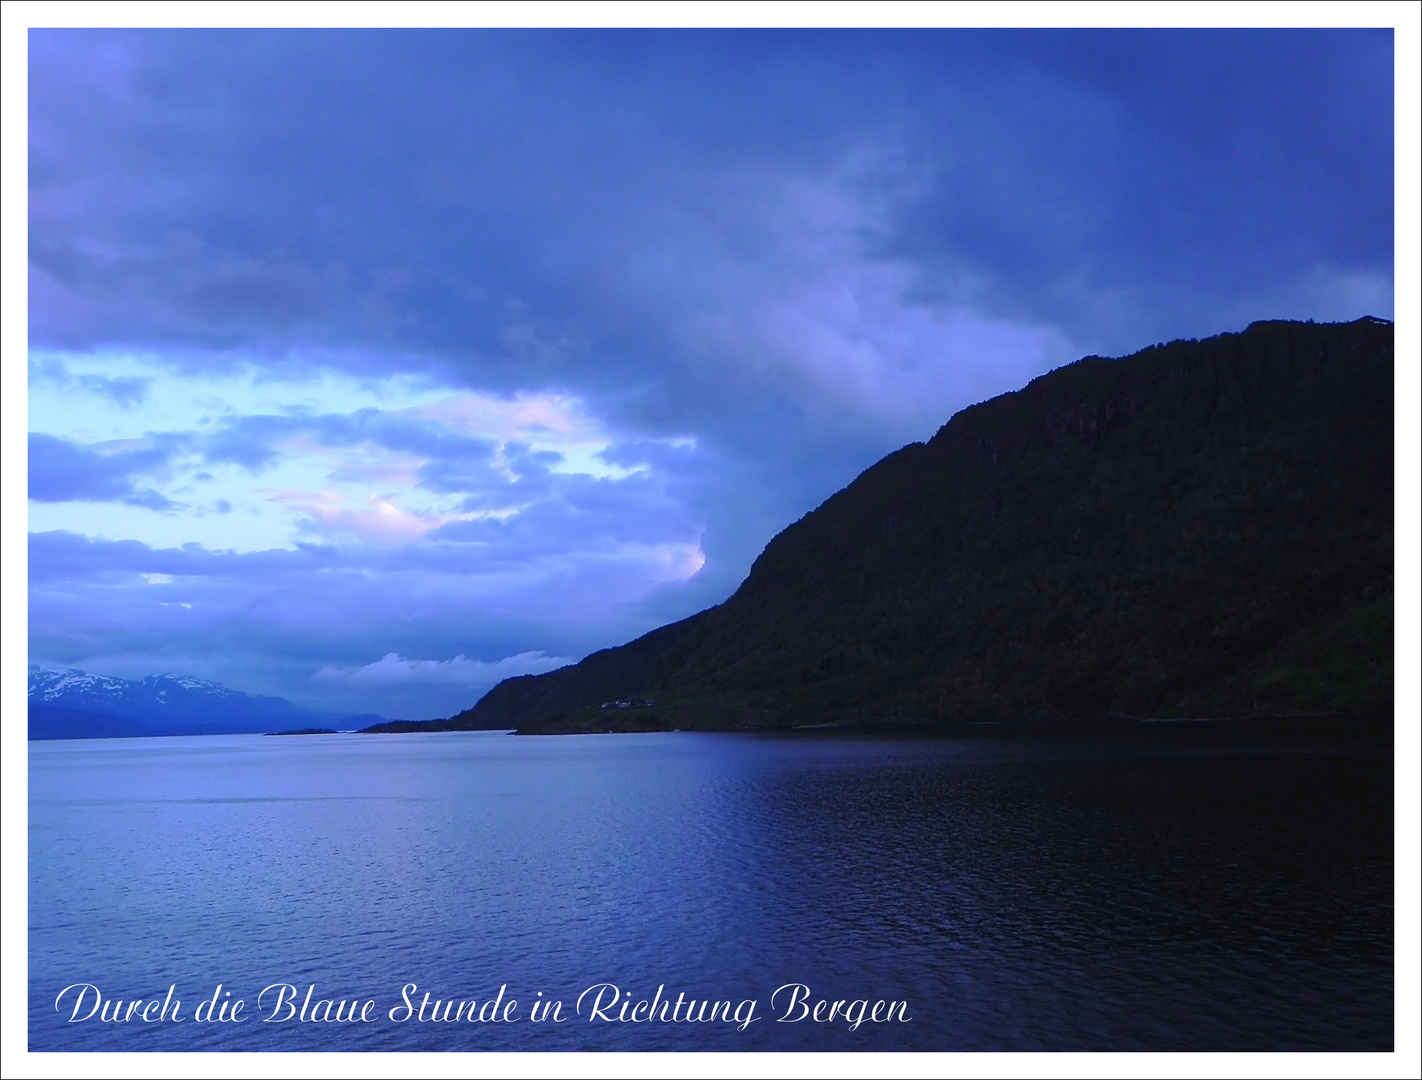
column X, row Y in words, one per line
column 1406, row 20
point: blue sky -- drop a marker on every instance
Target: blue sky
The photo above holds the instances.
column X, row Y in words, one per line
column 370, row 367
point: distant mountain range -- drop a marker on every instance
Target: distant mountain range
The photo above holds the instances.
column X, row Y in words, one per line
column 1202, row 529
column 68, row 704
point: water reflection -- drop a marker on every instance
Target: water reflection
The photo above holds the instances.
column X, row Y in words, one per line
column 1169, row 890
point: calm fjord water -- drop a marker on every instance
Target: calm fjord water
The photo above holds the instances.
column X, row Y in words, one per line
column 1169, row 889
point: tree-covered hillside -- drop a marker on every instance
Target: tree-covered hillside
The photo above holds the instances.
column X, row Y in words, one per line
column 1201, row 529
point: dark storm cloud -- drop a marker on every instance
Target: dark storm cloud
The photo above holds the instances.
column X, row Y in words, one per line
column 533, row 206
column 1184, row 168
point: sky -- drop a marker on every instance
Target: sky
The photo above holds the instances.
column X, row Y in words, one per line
column 370, row 367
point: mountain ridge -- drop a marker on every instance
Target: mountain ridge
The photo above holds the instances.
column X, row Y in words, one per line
column 1199, row 528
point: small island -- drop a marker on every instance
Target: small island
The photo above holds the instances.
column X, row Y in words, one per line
column 306, row 731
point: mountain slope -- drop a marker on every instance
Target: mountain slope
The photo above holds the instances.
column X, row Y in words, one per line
column 601, row 676
column 1203, row 528
column 50, row 723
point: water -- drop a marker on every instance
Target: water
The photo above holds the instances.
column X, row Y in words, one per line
column 1140, row 890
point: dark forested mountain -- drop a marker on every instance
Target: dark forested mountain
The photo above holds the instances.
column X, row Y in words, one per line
column 1201, row 529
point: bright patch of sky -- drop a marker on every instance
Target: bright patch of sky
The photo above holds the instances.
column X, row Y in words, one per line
column 308, row 489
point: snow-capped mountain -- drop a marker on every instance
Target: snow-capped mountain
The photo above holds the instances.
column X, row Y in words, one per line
column 66, row 687
column 167, row 704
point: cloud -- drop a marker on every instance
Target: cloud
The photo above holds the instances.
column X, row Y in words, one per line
column 474, row 488
column 253, row 441
column 642, row 180
column 124, row 391
column 856, row 336
column 460, row 671
column 62, row 471
column 273, row 618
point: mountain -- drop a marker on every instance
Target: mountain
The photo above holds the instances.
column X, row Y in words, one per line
column 1203, row 528
column 50, row 723
column 68, row 704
